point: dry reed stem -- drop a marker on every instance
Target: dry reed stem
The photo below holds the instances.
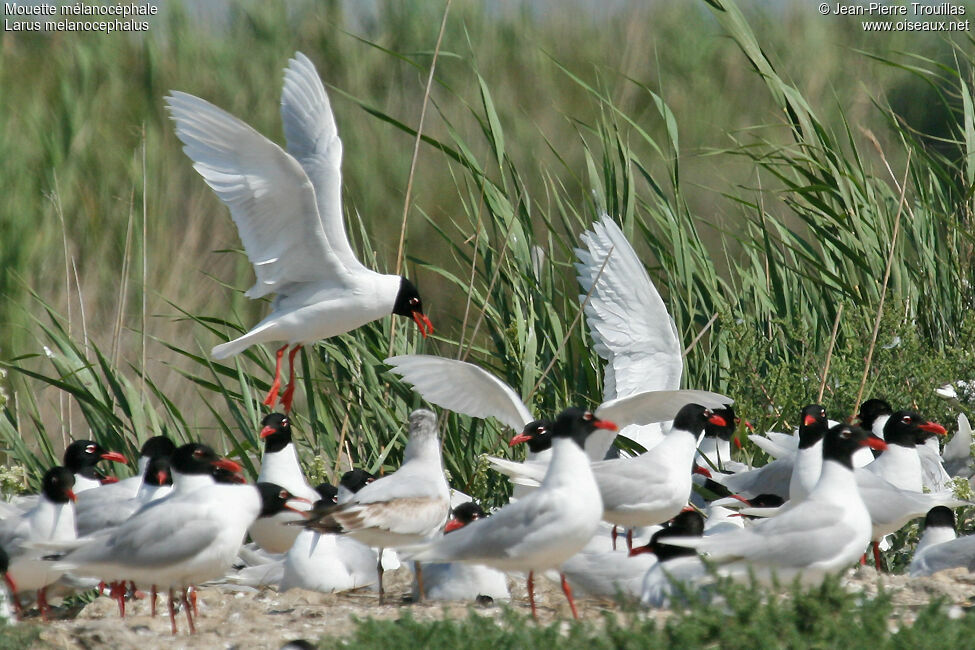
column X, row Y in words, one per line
column 699, row 335
column 829, row 353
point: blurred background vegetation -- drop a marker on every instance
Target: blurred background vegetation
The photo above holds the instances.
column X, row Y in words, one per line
column 755, row 154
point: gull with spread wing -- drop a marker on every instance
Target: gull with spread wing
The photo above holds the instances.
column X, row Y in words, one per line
column 288, row 211
column 465, row 388
column 629, row 323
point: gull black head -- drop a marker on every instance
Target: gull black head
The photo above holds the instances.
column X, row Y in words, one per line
column 536, row 434
column 907, row 429
column 82, row 455
column 871, row 410
column 409, row 304
column 689, row 523
column 157, row 446
column 198, row 459
column 356, row 479
column 722, row 431
column 274, row 499
column 843, row 440
column 276, row 433
column 57, row 485
column 940, row 516
column 351, row 482
column 694, row 417
column 573, row 422
column 812, row 425
column 158, row 472
column 464, row 514
column 577, row 424
column 328, row 493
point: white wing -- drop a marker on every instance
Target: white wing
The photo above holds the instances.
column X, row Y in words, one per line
column 656, row 405
column 812, row 532
column 528, row 473
column 775, row 447
column 462, row 387
column 517, row 530
column 628, row 320
column 891, row 506
column 771, row 478
column 948, row 555
column 270, row 197
column 313, row 140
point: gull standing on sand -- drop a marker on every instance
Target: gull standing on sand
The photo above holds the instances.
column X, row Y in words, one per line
column 544, row 528
column 405, row 508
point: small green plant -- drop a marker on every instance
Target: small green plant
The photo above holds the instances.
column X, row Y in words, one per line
column 741, row 616
column 17, row 637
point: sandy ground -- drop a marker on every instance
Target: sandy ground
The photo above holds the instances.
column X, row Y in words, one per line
column 267, row 619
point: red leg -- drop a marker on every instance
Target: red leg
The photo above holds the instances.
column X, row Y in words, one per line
column 863, row 560
column 42, row 603
column 191, row 592
column 567, row 590
column 614, row 537
column 289, row 392
column 629, row 539
column 531, row 593
column 117, row 592
column 18, row 609
column 152, row 602
column 189, row 613
column 272, row 395
column 172, row 610
column 877, row 559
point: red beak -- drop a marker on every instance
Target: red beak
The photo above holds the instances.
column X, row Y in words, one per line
column 749, row 425
column 520, row 438
column 453, row 525
column 71, row 495
column 809, row 421
column 161, row 477
column 114, row 456
column 717, row 420
column 423, row 323
column 933, row 427
column 737, row 442
column 267, row 431
column 108, row 480
column 875, row 443
column 604, row 424
column 742, row 499
column 703, row 471
column 300, row 512
column 227, row 464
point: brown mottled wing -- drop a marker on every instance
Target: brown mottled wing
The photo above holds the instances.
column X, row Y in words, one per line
column 406, row 516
